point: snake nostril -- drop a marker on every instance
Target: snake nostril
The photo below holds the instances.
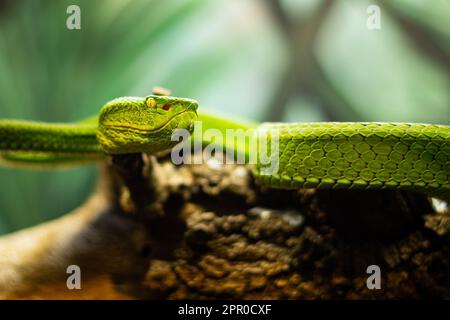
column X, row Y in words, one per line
column 167, row 106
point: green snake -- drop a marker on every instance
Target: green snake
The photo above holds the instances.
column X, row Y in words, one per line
column 349, row 155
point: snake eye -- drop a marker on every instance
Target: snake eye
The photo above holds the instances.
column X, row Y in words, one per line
column 151, row 102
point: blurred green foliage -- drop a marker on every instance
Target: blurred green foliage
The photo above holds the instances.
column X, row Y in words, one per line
column 285, row 60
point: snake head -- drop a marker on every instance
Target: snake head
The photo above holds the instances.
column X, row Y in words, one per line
column 135, row 124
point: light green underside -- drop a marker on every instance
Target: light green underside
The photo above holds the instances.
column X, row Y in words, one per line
column 397, row 156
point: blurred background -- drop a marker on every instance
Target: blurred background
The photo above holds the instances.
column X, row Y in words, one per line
column 286, row 60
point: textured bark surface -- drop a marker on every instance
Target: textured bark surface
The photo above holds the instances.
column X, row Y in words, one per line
column 208, row 231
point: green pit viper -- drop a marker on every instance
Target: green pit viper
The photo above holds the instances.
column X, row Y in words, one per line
column 349, row 155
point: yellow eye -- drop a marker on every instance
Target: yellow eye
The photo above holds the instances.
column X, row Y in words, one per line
column 151, row 102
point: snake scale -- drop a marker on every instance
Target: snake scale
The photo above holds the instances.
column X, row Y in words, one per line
column 349, row 155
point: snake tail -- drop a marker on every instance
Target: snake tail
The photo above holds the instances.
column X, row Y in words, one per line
column 31, row 142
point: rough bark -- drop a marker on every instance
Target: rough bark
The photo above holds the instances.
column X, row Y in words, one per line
column 155, row 230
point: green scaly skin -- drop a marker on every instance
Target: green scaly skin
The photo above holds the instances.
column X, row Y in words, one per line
column 357, row 155
column 398, row 156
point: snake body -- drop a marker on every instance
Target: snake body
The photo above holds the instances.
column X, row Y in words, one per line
column 361, row 155
column 399, row 156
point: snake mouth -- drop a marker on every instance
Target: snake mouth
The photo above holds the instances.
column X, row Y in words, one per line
column 154, row 130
